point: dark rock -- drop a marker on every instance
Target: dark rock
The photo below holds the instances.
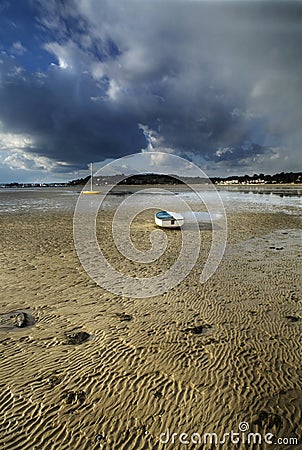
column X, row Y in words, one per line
column 53, row 381
column 70, row 397
column 74, row 397
column 269, row 420
column 158, row 394
column 292, row 318
column 19, row 319
column 124, row 317
column 81, row 397
column 77, row 338
column 198, row 329
column 211, row 341
column 16, row 319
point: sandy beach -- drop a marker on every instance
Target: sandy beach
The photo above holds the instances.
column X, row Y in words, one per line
column 90, row 369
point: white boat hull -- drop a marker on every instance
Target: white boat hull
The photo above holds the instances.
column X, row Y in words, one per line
column 172, row 220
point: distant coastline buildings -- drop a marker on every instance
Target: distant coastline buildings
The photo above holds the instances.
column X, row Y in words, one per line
column 278, row 178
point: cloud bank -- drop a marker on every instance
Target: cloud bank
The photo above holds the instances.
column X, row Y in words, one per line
column 216, row 82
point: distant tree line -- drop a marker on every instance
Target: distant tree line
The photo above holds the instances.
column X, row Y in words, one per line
column 79, row 181
column 148, row 178
column 151, row 178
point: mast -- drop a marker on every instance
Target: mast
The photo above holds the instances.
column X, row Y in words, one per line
column 91, row 182
column 91, row 170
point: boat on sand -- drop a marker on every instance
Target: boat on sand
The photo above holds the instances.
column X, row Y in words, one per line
column 91, row 180
column 169, row 219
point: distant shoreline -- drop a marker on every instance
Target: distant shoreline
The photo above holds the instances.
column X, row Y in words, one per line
column 288, row 178
column 217, row 186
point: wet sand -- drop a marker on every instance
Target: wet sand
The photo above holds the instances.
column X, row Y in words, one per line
column 93, row 370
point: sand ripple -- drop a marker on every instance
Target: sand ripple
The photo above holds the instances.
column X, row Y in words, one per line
column 100, row 371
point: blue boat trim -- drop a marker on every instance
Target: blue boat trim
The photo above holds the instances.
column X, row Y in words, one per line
column 164, row 215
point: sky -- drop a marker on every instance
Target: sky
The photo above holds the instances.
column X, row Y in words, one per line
column 218, row 83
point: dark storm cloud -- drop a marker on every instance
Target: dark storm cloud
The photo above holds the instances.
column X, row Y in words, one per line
column 218, row 80
column 64, row 120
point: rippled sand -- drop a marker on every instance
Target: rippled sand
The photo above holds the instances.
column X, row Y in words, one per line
column 96, row 370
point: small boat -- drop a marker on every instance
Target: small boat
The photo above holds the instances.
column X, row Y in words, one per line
column 168, row 219
column 91, row 180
